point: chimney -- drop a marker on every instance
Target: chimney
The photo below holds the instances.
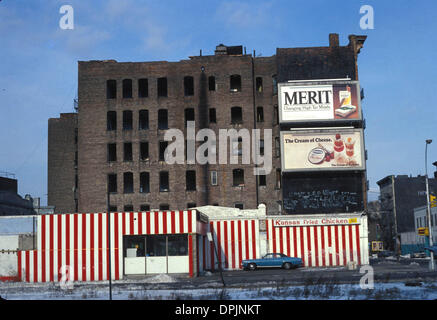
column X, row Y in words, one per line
column 333, row 40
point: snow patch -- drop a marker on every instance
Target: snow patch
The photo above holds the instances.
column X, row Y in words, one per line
column 161, row 278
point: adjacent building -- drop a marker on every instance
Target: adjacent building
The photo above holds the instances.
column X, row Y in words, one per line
column 399, row 196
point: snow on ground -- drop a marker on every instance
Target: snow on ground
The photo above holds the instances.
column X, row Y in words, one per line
column 390, row 291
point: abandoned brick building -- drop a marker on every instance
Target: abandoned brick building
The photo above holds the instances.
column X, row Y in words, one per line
column 113, row 145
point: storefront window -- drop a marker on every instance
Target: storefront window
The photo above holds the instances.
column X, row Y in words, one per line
column 135, row 242
column 156, row 246
column 178, row 245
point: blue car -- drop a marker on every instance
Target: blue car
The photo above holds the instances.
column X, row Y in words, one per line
column 272, row 260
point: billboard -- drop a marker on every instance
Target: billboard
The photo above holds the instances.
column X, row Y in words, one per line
column 322, row 149
column 319, row 101
column 323, row 192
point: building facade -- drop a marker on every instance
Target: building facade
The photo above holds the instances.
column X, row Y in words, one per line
column 114, row 146
column 399, row 196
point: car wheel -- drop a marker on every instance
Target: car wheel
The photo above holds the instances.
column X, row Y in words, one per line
column 252, row 266
column 287, row 266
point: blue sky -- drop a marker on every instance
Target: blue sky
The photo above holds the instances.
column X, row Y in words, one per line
column 38, row 64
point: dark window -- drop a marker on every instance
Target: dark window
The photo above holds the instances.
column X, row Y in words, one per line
column 162, row 119
column 275, row 114
column 112, row 152
column 236, row 115
column 111, row 89
column 128, row 208
column 213, row 178
column 163, row 207
column 259, row 114
column 127, row 88
column 262, row 180
column 259, row 84
column 191, row 205
column 189, row 115
column 238, row 177
column 127, row 120
column 112, row 208
column 275, row 84
column 144, row 182
column 127, row 151
column 134, row 242
column 261, row 147
column 112, row 182
column 178, row 245
column 211, row 83
column 162, row 87
column 111, row 120
column 128, row 179
column 143, row 88
column 162, row 146
column 278, row 178
column 144, row 151
column 188, row 86
column 235, row 81
column 239, row 206
column 215, row 204
column 163, row 181
column 145, row 207
column 143, row 120
column 212, row 116
column 156, row 245
column 76, row 158
column 190, row 178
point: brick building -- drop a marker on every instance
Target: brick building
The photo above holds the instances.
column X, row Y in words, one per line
column 115, row 141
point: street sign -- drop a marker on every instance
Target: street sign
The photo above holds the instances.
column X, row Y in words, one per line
column 423, row 231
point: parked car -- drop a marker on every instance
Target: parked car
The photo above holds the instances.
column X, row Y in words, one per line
column 272, row 260
column 433, row 249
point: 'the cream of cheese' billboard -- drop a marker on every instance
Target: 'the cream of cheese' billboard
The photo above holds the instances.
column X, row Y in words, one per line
column 319, row 101
column 322, row 149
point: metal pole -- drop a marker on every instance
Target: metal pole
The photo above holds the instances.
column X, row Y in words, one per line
column 428, row 208
column 109, row 247
column 395, row 217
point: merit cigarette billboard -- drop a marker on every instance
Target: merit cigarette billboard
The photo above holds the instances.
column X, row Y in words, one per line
column 322, row 149
column 319, row 101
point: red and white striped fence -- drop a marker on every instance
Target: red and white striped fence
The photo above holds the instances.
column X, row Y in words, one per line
column 81, row 241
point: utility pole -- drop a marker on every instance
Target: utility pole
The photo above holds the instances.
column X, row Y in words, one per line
column 395, row 217
column 428, row 208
